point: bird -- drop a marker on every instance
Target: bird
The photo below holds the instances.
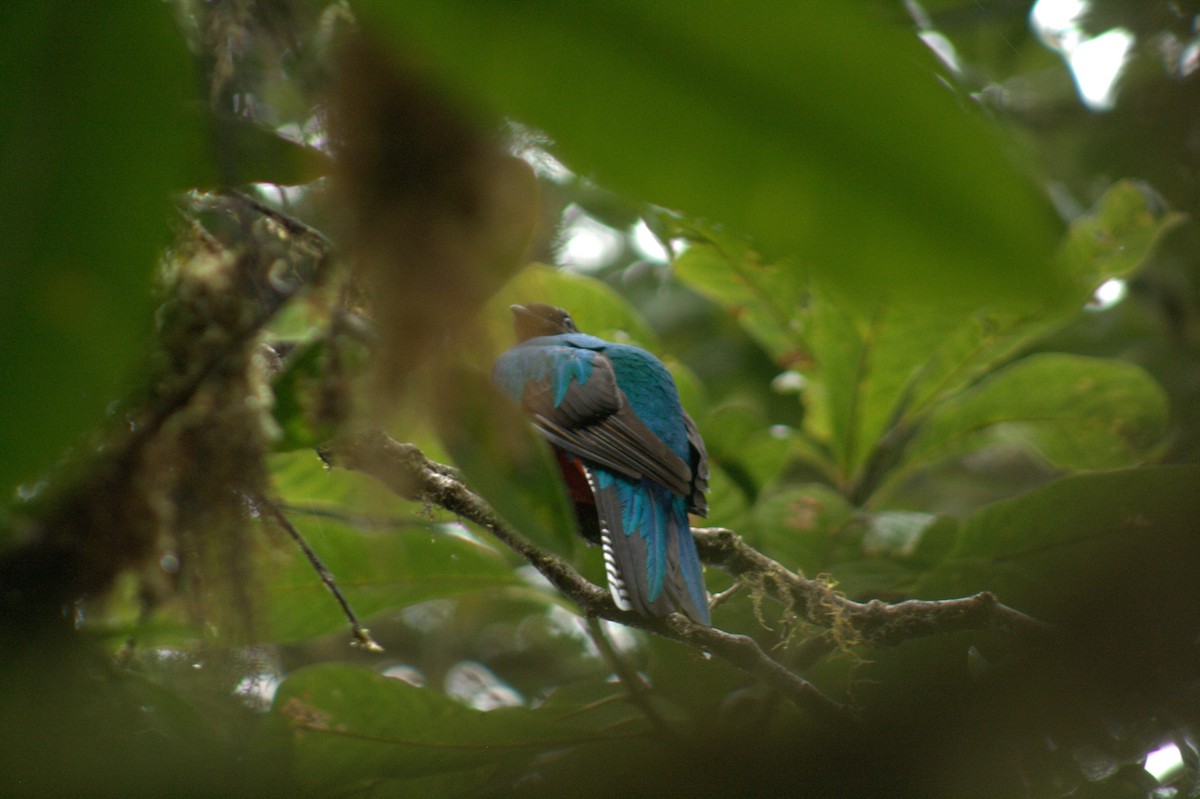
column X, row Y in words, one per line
column 632, row 459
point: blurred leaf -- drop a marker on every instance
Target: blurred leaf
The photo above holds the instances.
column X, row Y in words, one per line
column 376, row 568
column 691, row 392
column 599, row 203
column 727, row 500
column 301, row 476
column 863, row 578
column 737, row 437
column 504, row 460
column 1114, row 237
column 353, row 724
column 250, row 153
column 595, row 705
column 1077, row 412
column 758, row 116
column 93, row 139
column 1105, row 531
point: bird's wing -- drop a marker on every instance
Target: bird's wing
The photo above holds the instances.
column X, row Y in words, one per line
column 592, row 419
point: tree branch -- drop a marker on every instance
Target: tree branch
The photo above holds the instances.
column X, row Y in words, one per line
column 406, row 471
column 876, row 624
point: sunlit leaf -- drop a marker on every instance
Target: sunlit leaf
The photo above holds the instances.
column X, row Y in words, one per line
column 1113, row 238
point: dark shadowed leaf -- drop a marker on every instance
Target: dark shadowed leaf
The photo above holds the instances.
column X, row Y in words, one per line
column 353, row 724
column 1103, row 532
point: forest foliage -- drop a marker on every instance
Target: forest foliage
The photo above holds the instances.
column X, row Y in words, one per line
column 239, row 236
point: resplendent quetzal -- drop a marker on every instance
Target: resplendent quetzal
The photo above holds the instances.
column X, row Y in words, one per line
column 633, row 461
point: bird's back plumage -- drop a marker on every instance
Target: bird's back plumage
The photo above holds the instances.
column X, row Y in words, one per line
column 612, row 412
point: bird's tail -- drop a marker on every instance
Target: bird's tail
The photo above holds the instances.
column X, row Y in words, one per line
column 650, row 558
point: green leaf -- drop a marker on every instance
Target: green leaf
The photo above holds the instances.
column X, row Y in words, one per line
column 754, row 115
column 737, row 436
column 376, row 567
column 353, row 725
column 873, row 371
column 302, row 478
column 1114, row 237
column 801, row 525
column 727, row 499
column 764, row 298
column 93, row 138
column 1076, row 412
column 1125, row 533
column 297, row 392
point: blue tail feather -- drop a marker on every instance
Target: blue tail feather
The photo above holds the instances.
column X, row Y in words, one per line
column 653, row 546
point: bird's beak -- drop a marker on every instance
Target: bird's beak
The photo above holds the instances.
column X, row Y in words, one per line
column 521, row 310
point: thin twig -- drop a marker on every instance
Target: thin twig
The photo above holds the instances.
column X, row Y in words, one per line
column 362, row 636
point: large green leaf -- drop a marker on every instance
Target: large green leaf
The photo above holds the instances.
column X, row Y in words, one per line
column 800, row 526
column 871, row 372
column 1077, row 412
column 738, row 438
column 353, row 725
column 93, row 138
column 818, row 129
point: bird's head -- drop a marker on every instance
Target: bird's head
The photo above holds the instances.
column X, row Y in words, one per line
column 537, row 319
